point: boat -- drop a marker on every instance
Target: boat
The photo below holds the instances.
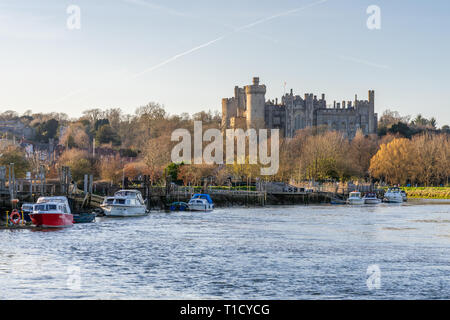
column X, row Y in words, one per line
column 179, row 206
column 125, row 203
column 27, row 208
column 336, row 200
column 355, row 198
column 52, row 212
column 371, row 198
column 83, row 217
column 393, row 195
column 201, row 202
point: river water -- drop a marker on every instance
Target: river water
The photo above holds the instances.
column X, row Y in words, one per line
column 291, row 252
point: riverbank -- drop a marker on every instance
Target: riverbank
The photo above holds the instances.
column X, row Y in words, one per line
column 428, row 192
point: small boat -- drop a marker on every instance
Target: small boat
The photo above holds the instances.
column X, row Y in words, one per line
column 27, row 208
column 125, row 203
column 201, row 202
column 355, row 198
column 337, row 201
column 371, row 198
column 83, row 217
column 52, row 212
column 393, row 195
column 179, row 206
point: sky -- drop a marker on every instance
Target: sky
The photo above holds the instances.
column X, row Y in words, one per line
column 189, row 54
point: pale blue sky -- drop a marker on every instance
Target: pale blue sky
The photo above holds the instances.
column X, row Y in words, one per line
column 189, row 54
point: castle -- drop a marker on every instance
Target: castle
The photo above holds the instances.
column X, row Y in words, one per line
column 249, row 109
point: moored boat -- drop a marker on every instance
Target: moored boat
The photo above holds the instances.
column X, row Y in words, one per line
column 83, row 217
column 355, row 198
column 125, row 203
column 393, row 195
column 371, row 198
column 179, row 206
column 27, row 208
column 201, row 202
column 337, row 201
column 52, row 212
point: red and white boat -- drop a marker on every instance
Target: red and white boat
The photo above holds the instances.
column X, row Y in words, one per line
column 52, row 212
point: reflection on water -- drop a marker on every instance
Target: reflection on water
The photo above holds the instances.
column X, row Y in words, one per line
column 309, row 252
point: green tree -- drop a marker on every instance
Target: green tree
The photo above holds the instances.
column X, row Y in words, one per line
column 172, row 170
column 18, row 157
column 106, row 135
column 47, row 130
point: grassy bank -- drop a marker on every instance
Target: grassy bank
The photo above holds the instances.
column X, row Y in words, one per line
column 428, row 192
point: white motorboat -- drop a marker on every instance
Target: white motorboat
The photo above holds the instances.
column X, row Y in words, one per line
column 125, row 203
column 201, row 202
column 393, row 195
column 355, row 198
column 371, row 198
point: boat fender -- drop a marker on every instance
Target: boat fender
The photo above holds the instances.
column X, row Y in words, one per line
column 13, row 214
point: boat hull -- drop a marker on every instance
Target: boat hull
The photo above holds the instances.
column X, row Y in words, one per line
column 83, row 218
column 372, row 201
column 52, row 220
column 355, row 201
column 124, row 211
column 393, row 200
column 200, row 207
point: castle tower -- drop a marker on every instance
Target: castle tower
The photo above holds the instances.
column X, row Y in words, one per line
column 255, row 104
column 372, row 125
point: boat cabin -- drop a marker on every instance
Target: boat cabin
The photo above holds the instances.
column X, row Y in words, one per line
column 355, row 194
column 51, row 205
column 202, row 196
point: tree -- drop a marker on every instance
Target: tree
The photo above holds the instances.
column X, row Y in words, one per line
column 46, row 130
column 393, row 161
column 402, row 129
column 389, row 118
column 79, row 163
column 431, row 160
column 111, row 169
column 133, row 170
column 324, row 156
column 107, row 135
column 14, row 155
column 92, row 115
column 156, row 156
column 172, row 170
column 75, row 136
column 362, row 149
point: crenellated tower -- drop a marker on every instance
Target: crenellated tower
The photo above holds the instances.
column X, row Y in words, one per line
column 255, row 94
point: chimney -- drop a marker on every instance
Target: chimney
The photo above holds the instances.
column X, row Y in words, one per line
column 255, row 81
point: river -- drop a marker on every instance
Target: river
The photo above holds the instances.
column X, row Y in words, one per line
column 388, row 251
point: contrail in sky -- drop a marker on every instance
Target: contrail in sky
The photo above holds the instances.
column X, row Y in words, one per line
column 175, row 57
column 206, row 44
column 201, row 46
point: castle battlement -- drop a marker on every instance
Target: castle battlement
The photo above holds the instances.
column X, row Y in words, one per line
column 249, row 109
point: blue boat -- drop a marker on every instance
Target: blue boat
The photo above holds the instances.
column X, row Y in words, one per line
column 179, row 206
column 337, row 201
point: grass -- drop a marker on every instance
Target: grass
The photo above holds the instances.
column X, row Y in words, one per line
column 428, row 192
